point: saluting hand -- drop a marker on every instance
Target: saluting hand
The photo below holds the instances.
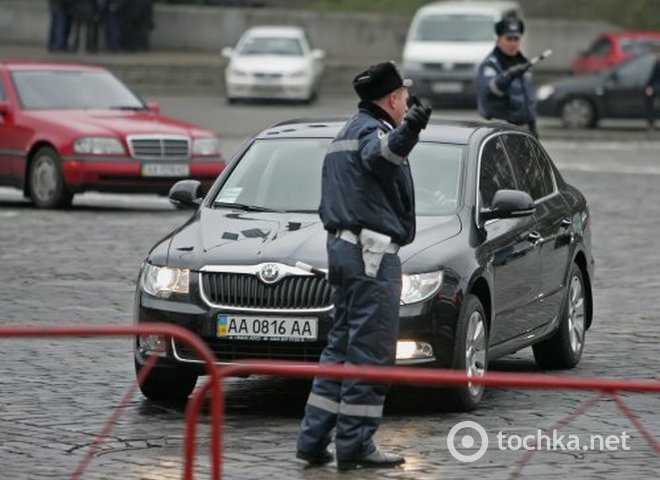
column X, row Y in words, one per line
column 417, row 116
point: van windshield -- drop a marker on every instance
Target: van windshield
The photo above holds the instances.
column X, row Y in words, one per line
column 455, row 28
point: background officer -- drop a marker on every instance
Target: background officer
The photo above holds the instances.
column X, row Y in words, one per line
column 368, row 208
column 505, row 87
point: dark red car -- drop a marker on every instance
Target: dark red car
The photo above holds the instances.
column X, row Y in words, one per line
column 66, row 129
column 612, row 48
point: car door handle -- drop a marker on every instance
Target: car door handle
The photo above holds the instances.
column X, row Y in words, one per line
column 567, row 222
column 534, row 237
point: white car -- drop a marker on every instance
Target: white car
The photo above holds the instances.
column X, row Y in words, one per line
column 273, row 63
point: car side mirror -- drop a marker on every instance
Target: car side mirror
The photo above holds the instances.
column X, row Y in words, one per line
column 186, row 194
column 4, row 107
column 509, row 204
column 318, row 54
column 226, row 52
column 154, row 107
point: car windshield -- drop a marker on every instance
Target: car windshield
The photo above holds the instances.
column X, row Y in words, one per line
column 285, row 175
column 72, row 90
column 271, row 46
column 455, row 28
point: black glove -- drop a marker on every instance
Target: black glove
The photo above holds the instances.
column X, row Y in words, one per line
column 518, row 70
column 417, row 116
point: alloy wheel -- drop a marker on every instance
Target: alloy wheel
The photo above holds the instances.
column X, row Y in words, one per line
column 576, row 315
column 44, row 178
column 577, row 113
column 475, row 351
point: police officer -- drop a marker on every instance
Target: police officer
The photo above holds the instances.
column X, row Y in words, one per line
column 505, row 87
column 368, row 208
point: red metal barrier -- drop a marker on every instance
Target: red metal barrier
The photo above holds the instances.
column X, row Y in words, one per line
column 213, row 383
column 409, row 375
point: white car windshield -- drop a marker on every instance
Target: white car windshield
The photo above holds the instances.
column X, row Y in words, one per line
column 73, row 90
column 285, row 175
column 271, row 46
column 455, row 28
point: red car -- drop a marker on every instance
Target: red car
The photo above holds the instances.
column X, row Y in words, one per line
column 612, row 48
column 66, row 129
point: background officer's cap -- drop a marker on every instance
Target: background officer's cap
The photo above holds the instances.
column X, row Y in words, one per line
column 510, row 26
column 379, row 80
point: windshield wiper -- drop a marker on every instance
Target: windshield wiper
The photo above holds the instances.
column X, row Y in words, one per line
column 242, row 206
column 128, row 107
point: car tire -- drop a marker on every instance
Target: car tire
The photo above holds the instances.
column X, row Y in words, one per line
column 167, row 385
column 46, row 181
column 578, row 113
column 470, row 354
column 564, row 348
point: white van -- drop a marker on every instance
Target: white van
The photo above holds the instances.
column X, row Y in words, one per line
column 446, row 42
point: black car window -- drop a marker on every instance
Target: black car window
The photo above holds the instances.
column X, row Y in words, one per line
column 600, row 48
column 636, row 72
column 530, row 165
column 495, row 172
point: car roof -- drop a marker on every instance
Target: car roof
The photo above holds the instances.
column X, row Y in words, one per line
column 443, row 130
column 276, row 31
column 469, row 7
column 36, row 65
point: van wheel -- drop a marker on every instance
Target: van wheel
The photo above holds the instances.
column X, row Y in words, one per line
column 46, row 182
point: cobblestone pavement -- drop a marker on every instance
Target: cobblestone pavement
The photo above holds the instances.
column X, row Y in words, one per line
column 79, row 266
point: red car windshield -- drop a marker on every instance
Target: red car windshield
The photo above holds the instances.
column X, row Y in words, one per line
column 72, row 90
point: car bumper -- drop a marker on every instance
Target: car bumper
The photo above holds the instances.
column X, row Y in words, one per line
column 128, row 175
column 417, row 323
column 289, row 90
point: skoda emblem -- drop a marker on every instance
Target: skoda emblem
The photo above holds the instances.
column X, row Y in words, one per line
column 270, row 273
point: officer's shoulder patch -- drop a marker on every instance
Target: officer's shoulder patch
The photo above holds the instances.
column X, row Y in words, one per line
column 489, row 71
column 381, row 133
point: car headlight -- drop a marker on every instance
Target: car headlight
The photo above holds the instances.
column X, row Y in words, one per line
column 163, row 281
column 237, row 73
column 544, row 92
column 298, row 74
column 206, row 146
column 420, row 286
column 98, row 146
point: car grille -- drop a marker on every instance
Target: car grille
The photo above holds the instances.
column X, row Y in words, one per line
column 267, row 76
column 243, row 350
column 247, row 291
column 159, row 147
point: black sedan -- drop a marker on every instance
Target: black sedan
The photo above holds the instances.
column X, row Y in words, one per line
column 582, row 101
column 501, row 260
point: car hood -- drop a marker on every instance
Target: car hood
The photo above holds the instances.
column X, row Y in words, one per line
column 117, row 122
column 269, row 63
column 228, row 237
column 439, row 52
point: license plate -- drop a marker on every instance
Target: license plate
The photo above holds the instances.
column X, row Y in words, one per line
column 165, row 170
column 447, row 87
column 241, row 327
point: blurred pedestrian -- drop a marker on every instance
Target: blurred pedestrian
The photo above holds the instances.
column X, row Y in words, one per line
column 60, row 25
column 368, row 208
column 652, row 95
column 85, row 18
column 504, row 84
column 113, row 15
column 137, row 22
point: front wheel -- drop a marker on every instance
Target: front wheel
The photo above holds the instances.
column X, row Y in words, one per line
column 46, row 181
column 578, row 113
column 163, row 385
column 470, row 354
column 564, row 348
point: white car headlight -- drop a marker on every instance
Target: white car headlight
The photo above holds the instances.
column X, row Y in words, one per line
column 237, row 73
column 206, row 146
column 98, row 146
column 420, row 286
column 298, row 74
column 544, row 92
column 163, row 281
